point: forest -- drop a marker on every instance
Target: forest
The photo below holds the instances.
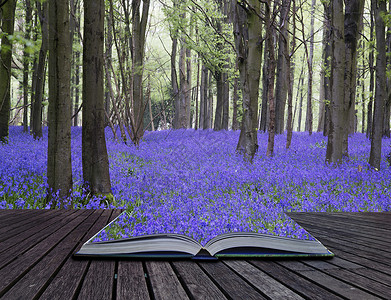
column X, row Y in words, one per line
column 222, row 112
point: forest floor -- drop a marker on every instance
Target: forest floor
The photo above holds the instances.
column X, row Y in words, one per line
column 186, row 180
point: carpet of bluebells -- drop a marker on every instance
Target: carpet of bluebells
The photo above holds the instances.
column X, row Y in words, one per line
column 193, row 182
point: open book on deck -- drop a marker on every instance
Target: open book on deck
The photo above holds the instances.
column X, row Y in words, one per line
column 233, row 244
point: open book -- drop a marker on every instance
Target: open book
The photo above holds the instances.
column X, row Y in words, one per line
column 232, row 244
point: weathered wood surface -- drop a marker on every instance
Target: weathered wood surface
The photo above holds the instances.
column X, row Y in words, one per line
column 36, row 248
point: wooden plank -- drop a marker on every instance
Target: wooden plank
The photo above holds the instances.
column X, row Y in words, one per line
column 35, row 280
column 262, row 281
column 369, row 219
column 374, row 275
column 9, row 214
column 67, row 282
column 345, row 225
column 12, row 272
column 362, row 260
column 32, row 233
column 100, row 274
column 99, row 270
column 131, row 283
column 362, row 282
column 230, row 282
column 20, row 223
column 369, row 239
column 164, row 283
column 335, row 285
column 296, row 282
column 379, row 256
column 7, row 256
column 198, row 284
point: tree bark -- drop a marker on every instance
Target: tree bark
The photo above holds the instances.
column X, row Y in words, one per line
column 327, row 56
column 95, row 159
column 40, row 72
column 334, row 150
column 282, row 70
column 387, row 115
column 270, row 32
column 300, row 89
column 325, row 71
column 59, row 170
column 26, row 65
column 380, row 96
column 291, row 69
column 371, row 60
column 235, row 99
column 139, row 25
column 7, row 27
column 353, row 19
column 265, row 107
column 183, row 112
column 310, row 56
column 247, row 33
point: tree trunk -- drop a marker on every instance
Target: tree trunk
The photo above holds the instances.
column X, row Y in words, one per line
column 59, row 171
column 150, row 103
column 371, row 59
column 209, row 110
column 300, row 89
column 218, row 75
column 334, row 150
column 7, row 27
column 204, row 110
column 265, row 107
column 95, row 159
column 247, row 33
column 235, row 96
column 291, row 69
column 309, row 115
column 282, row 82
column 40, row 72
column 26, row 65
column 353, row 19
column 380, row 96
column 270, row 32
column 183, row 113
column 363, row 95
column 327, row 55
column 77, row 89
column 387, row 115
column 225, row 119
column 174, row 80
column 139, row 25
column 196, row 95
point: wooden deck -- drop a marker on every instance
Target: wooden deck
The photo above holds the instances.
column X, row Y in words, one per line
column 36, row 248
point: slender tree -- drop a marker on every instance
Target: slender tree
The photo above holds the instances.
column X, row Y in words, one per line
column 26, row 64
column 270, row 32
column 59, row 170
column 7, row 28
column 282, row 70
column 139, row 26
column 371, row 58
column 39, row 73
column 291, row 69
column 380, row 96
column 310, row 57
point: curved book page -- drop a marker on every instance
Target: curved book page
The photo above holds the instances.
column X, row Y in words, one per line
column 113, row 241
